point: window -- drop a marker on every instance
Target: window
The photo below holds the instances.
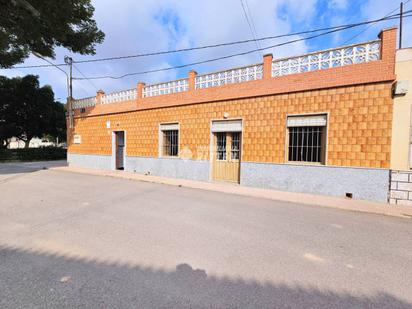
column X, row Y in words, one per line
column 306, row 138
column 169, row 140
column 221, row 146
column 235, row 149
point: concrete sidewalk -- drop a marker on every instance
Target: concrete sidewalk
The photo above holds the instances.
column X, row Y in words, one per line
column 293, row 197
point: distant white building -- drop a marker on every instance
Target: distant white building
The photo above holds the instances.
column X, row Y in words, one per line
column 35, row 142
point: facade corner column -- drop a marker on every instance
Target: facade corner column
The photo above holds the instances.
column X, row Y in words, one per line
column 192, row 80
column 99, row 95
column 267, row 66
column 140, row 86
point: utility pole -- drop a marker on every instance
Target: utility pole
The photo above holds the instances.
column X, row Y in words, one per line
column 69, row 61
column 400, row 25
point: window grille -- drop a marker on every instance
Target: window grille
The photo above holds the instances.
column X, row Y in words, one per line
column 235, row 148
column 306, row 144
column 171, row 143
column 221, row 146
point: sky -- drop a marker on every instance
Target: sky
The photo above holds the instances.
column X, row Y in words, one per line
column 134, row 27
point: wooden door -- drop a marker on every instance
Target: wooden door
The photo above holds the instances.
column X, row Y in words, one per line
column 226, row 156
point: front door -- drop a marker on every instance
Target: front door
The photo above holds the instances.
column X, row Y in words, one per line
column 119, row 150
column 226, row 156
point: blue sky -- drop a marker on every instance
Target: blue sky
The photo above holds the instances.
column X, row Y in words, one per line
column 144, row 26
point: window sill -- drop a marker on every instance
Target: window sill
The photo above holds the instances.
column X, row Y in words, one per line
column 305, row 163
column 169, row 157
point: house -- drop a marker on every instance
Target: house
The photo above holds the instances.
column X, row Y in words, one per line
column 319, row 123
column 401, row 151
column 35, row 142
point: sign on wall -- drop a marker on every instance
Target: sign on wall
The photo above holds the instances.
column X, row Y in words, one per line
column 77, row 139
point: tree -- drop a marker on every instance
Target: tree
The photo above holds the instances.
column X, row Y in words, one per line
column 28, row 110
column 7, row 124
column 38, row 26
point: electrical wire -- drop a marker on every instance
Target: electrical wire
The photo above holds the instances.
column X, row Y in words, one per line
column 371, row 25
column 395, row 16
column 250, row 23
column 57, row 67
column 81, row 73
column 220, row 58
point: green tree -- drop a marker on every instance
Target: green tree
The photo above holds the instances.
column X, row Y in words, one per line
column 38, row 26
column 28, row 110
column 8, row 126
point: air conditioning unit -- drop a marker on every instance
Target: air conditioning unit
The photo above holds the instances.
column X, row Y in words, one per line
column 401, row 87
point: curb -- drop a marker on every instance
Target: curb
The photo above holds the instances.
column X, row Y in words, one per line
column 292, row 197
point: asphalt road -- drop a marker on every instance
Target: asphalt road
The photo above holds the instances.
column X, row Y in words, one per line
column 14, row 169
column 79, row 241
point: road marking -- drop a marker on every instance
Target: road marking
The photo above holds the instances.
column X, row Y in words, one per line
column 313, row 258
column 338, row 226
column 350, row 266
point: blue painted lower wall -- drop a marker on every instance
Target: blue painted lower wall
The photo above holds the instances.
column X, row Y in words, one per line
column 169, row 167
column 89, row 160
column 364, row 183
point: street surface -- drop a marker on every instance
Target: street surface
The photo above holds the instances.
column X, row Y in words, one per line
column 79, row 241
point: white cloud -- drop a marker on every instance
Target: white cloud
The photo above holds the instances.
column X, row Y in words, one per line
column 373, row 9
column 133, row 27
column 338, row 4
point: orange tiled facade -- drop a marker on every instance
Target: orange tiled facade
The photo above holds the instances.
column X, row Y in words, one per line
column 358, row 129
column 356, row 98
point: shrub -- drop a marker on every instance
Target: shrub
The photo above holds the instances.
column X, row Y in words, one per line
column 33, row 154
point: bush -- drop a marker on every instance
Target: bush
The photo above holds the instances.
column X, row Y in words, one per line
column 33, row 154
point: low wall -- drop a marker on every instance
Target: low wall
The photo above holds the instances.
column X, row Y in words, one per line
column 364, row 183
column 169, row 167
column 401, row 188
column 89, row 161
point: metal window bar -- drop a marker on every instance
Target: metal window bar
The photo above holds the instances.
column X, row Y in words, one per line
column 171, row 143
column 221, row 146
column 305, row 144
column 235, row 147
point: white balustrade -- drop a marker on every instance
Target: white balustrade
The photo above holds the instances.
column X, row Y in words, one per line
column 119, row 96
column 175, row 86
column 83, row 103
column 232, row 76
column 331, row 58
column 326, row 59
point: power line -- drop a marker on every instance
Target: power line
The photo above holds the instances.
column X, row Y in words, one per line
column 251, row 19
column 219, row 58
column 57, row 67
column 37, row 66
column 250, row 22
column 395, row 16
column 51, row 64
column 343, row 27
column 81, row 73
column 372, row 24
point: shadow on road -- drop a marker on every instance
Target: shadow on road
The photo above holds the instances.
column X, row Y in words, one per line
column 36, row 279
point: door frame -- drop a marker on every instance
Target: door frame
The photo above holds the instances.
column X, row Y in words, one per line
column 113, row 157
column 211, row 144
